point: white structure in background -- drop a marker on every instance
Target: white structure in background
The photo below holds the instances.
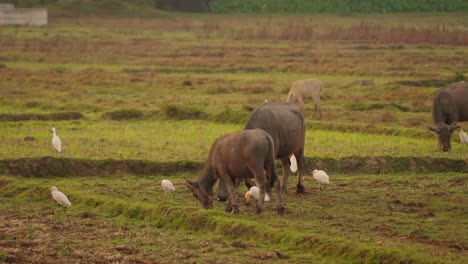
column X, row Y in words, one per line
column 9, row 15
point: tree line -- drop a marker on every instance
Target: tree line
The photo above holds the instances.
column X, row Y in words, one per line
column 275, row 6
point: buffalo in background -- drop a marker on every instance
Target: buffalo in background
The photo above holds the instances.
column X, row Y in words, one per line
column 286, row 125
column 450, row 106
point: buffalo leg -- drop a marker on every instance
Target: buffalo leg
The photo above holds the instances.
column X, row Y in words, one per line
column 285, row 164
column 300, row 170
column 232, row 205
column 262, row 182
column 301, row 103
column 318, row 105
column 279, row 205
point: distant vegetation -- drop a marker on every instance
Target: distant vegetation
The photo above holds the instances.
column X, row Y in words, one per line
column 140, row 7
column 336, row 6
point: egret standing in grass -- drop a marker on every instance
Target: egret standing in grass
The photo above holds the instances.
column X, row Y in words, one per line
column 463, row 137
column 321, row 177
column 60, row 197
column 254, row 193
column 56, row 142
column 168, row 187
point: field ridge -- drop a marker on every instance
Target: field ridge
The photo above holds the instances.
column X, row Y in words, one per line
column 50, row 166
column 172, row 215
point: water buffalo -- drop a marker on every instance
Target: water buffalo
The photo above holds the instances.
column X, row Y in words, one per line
column 450, row 105
column 285, row 123
column 303, row 89
column 234, row 157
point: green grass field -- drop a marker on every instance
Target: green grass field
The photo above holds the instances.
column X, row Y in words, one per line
column 163, row 89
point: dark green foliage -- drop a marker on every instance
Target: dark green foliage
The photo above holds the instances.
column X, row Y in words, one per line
column 124, row 114
column 32, row 116
column 457, row 77
column 48, row 166
column 375, row 106
column 183, row 5
column 125, row 7
column 424, row 83
column 180, row 112
column 336, row 6
column 232, row 116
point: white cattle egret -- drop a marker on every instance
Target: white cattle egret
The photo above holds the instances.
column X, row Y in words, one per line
column 56, row 142
column 168, row 187
column 321, row 177
column 293, row 165
column 463, row 137
column 254, row 193
column 60, row 197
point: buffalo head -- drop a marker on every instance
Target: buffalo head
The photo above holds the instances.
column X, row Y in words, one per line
column 205, row 200
column 444, row 134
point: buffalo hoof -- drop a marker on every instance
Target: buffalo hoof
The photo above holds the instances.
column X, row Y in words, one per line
column 221, row 198
column 228, row 209
column 280, row 210
column 235, row 210
column 284, row 190
column 258, row 211
column 300, row 189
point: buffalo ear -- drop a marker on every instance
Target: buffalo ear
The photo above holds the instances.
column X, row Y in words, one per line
column 435, row 129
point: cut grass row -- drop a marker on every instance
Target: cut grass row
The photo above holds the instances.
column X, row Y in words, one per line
column 405, row 218
column 48, row 166
column 160, row 140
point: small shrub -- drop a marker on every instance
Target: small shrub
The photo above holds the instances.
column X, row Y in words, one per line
column 32, row 104
column 231, row 116
column 179, row 112
column 459, row 77
column 376, row 106
column 187, row 83
column 124, row 114
column 52, row 116
column 358, row 107
column 423, row 83
column 60, row 69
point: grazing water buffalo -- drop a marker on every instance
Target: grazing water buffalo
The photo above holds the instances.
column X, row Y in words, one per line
column 450, row 106
column 234, row 157
column 285, row 123
column 303, row 89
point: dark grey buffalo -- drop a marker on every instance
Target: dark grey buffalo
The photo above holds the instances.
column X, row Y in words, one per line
column 285, row 123
column 450, row 106
column 234, row 157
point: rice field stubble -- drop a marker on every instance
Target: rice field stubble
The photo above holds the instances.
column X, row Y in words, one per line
column 216, row 69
